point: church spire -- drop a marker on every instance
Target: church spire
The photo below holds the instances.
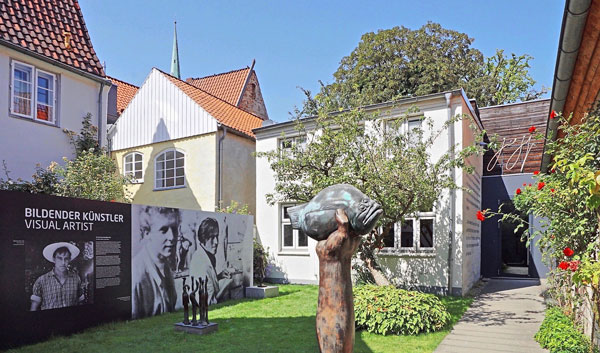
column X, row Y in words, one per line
column 175, row 55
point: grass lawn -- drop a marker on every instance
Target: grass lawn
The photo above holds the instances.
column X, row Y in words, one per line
column 282, row 324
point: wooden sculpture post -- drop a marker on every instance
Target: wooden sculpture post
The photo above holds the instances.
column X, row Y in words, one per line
column 335, row 311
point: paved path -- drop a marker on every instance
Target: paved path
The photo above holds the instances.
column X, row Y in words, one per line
column 504, row 318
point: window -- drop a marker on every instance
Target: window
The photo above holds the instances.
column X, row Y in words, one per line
column 414, row 234
column 291, row 238
column 286, row 145
column 132, row 166
column 33, row 93
column 169, row 167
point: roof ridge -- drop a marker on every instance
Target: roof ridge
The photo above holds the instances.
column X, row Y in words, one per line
column 125, row 82
column 203, row 91
column 219, row 74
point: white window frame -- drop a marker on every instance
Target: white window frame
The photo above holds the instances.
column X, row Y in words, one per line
column 416, row 248
column 295, row 232
column 294, row 142
column 35, row 73
column 164, row 152
column 133, row 163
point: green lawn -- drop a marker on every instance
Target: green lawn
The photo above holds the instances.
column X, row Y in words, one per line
column 282, row 324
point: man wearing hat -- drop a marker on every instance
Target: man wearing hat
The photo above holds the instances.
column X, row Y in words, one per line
column 61, row 287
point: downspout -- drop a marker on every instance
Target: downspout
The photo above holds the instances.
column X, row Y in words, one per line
column 100, row 113
column 574, row 20
column 448, row 97
column 220, row 165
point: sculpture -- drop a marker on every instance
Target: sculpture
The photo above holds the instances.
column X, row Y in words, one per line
column 185, row 298
column 194, row 301
column 204, row 302
column 336, row 217
column 317, row 217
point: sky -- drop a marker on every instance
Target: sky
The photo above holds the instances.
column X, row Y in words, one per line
column 297, row 43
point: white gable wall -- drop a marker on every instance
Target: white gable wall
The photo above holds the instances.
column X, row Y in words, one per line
column 160, row 111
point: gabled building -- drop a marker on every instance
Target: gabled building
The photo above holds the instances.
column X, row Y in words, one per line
column 50, row 78
column 185, row 147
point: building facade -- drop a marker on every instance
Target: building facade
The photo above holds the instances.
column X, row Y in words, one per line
column 444, row 255
column 50, row 79
column 185, row 147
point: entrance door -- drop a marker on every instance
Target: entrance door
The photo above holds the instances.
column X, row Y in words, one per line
column 515, row 255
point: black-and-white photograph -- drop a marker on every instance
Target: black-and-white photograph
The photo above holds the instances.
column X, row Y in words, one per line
column 169, row 245
column 59, row 274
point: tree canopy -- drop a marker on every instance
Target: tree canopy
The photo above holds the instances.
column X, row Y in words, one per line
column 401, row 62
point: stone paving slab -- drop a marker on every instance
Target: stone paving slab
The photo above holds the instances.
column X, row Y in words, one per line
column 503, row 318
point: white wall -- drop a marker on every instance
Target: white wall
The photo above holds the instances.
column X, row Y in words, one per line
column 425, row 270
column 160, row 111
column 24, row 142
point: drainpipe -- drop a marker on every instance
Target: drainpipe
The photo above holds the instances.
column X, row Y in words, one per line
column 100, row 113
column 574, row 20
column 220, row 164
column 448, row 97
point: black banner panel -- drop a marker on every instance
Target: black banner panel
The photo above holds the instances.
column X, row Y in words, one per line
column 65, row 265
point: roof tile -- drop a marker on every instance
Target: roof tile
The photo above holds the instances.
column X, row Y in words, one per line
column 51, row 19
column 225, row 112
column 226, row 86
column 125, row 93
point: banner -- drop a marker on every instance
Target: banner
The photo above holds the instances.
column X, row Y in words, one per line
column 67, row 264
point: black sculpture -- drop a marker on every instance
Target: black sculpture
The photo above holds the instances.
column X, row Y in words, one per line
column 185, row 298
column 194, row 301
column 203, row 296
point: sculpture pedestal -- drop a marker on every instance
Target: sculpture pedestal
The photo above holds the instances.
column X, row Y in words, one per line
column 198, row 330
column 262, row 292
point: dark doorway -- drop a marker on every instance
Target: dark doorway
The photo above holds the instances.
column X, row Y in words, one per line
column 515, row 255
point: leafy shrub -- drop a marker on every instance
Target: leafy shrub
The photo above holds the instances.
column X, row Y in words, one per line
column 558, row 334
column 386, row 309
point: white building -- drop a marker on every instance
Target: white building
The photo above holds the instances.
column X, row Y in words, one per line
column 447, row 257
column 50, row 78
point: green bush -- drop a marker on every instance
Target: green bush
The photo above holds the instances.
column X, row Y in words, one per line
column 558, row 334
column 386, row 309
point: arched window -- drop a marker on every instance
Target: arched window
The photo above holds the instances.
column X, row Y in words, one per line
column 169, row 169
column 132, row 166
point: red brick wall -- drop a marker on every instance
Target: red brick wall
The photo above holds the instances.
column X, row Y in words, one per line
column 252, row 100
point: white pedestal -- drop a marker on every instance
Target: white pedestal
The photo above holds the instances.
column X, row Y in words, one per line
column 262, row 292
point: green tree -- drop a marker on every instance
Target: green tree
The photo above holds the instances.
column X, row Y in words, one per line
column 401, row 62
column 358, row 148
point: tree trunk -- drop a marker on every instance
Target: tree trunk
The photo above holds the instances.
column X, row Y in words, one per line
column 335, row 311
column 378, row 276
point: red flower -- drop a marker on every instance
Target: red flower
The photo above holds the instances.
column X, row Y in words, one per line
column 529, row 184
column 573, row 265
column 524, row 184
column 568, row 252
column 532, row 129
column 552, row 170
column 113, row 200
column 480, row 216
column 518, row 192
column 541, row 185
column 563, row 265
column 536, row 172
column 553, row 114
column 552, row 190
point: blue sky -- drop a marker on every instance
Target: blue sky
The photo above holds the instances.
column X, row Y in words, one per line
column 298, row 43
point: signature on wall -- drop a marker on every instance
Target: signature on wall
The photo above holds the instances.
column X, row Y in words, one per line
column 522, row 147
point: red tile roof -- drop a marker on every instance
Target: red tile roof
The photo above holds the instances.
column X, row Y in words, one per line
column 227, row 86
column 125, row 93
column 226, row 113
column 40, row 26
